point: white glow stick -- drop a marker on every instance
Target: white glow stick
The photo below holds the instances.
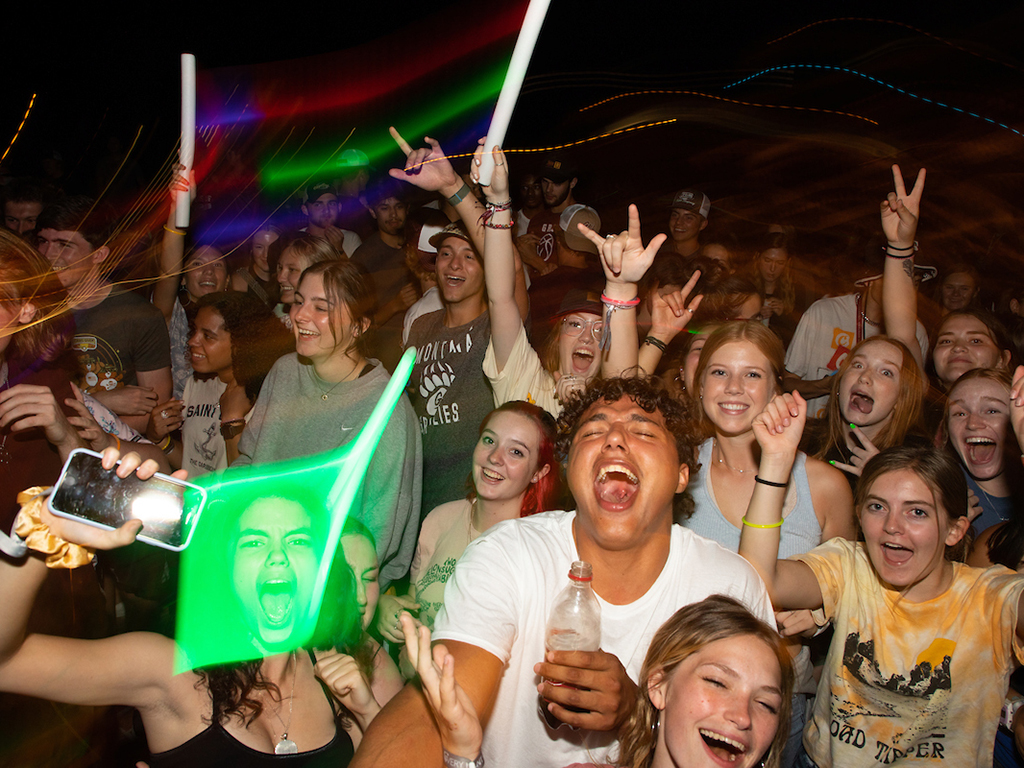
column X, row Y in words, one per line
column 513, row 83
column 187, row 152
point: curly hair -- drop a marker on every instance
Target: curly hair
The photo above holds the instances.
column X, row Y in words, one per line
column 232, row 686
column 688, row 631
column 258, row 338
column 651, row 397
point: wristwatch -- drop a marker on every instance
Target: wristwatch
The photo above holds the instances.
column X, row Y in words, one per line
column 454, row 761
column 1010, row 707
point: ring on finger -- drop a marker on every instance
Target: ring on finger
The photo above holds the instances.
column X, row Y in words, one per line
column 164, row 414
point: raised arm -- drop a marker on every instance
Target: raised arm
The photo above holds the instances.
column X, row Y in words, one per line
column 130, row 669
column 791, row 584
column 172, row 251
column 428, row 168
column 671, row 312
column 625, row 260
column 405, row 733
column 500, row 259
column 899, row 296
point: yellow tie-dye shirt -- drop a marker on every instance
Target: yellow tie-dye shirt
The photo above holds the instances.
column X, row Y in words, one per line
column 911, row 683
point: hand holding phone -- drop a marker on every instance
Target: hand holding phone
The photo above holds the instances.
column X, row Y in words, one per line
column 89, row 492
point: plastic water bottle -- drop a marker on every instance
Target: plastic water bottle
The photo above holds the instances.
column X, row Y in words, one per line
column 574, row 623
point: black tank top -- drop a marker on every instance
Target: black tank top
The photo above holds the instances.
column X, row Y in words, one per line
column 216, row 748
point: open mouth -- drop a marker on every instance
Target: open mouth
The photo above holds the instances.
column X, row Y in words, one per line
column 582, row 359
column 491, row 475
column 895, row 555
column 276, row 599
column 307, row 334
column 616, row 485
column 980, row 450
column 454, row 280
column 722, row 747
column 861, row 402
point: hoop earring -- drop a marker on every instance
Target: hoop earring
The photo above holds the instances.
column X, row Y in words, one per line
column 654, row 727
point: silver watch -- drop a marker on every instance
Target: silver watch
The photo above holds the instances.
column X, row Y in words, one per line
column 454, row 761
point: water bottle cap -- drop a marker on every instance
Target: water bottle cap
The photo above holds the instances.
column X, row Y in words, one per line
column 581, row 571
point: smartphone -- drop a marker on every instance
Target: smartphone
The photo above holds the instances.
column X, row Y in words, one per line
column 168, row 508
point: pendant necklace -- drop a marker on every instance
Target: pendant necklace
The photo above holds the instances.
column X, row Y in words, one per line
column 324, row 395
column 286, row 746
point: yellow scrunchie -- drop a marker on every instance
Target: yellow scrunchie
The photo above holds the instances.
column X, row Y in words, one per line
column 29, row 526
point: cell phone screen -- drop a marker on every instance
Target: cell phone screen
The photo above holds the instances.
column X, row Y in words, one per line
column 94, row 494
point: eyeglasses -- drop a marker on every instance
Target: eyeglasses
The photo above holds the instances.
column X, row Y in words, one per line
column 573, row 326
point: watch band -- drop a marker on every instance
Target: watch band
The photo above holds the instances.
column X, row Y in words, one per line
column 454, row 761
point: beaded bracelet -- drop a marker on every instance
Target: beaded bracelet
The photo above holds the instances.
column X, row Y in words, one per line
column 758, row 525
column 499, row 226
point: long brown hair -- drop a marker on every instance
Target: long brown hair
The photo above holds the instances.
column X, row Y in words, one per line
column 906, row 412
column 688, row 630
column 939, row 470
column 25, row 276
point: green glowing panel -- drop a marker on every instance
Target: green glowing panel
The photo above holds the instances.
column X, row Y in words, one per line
column 253, row 578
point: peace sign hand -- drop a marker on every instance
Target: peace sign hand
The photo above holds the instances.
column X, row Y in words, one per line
column 900, row 210
column 862, row 452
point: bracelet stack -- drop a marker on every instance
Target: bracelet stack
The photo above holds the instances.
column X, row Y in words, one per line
column 656, row 343
column 611, row 305
column 167, row 445
column 901, row 253
column 491, row 209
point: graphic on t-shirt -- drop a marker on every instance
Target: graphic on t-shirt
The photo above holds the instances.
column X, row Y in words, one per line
column 100, row 364
column 437, row 378
column 842, row 343
column 894, row 715
column 204, row 448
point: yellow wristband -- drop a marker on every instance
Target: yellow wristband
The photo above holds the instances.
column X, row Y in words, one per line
column 758, row 525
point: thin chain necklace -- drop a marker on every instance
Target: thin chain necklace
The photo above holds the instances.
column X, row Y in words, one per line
column 324, row 395
column 721, row 460
column 286, row 746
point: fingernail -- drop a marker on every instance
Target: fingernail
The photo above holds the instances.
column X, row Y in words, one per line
column 852, row 425
column 832, row 462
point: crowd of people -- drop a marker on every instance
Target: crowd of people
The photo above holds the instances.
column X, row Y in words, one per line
column 801, row 504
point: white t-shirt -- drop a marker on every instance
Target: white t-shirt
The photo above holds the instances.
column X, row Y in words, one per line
column 202, row 447
column 524, row 377
column 499, row 598
column 824, row 337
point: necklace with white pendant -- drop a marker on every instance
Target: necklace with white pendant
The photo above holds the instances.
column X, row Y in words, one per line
column 286, row 746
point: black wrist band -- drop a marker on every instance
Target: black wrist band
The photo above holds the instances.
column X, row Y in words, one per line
column 762, row 481
column 459, row 196
column 656, row 343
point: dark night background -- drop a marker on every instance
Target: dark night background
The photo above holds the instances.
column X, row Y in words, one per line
column 105, row 74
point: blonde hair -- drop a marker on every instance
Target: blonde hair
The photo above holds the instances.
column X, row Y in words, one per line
column 690, row 629
column 766, row 342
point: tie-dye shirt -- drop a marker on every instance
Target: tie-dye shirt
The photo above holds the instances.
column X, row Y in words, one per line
column 911, row 683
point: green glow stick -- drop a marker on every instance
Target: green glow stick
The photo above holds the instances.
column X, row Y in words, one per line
column 216, row 624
